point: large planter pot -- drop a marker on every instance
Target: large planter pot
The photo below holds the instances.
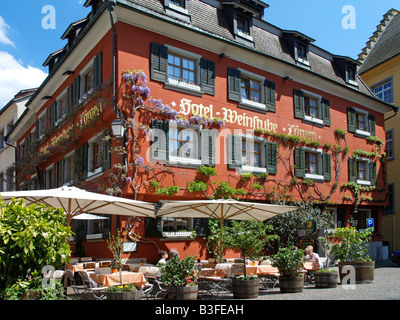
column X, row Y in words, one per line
column 245, row 289
column 364, row 271
column 291, row 284
column 326, row 279
column 130, row 295
column 182, row 293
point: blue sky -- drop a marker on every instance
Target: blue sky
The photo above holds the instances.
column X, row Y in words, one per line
column 25, row 44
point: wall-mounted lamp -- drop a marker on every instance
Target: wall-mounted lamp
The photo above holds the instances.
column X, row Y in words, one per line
column 117, row 128
column 223, row 55
column 68, row 72
column 287, row 78
column 46, row 98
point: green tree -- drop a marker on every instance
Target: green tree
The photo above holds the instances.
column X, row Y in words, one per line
column 31, row 237
column 250, row 237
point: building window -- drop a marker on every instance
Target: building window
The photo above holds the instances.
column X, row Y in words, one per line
column 176, row 224
column 178, row 5
column 384, row 91
column 183, row 145
column 9, row 180
column 62, row 108
column 312, row 164
column 68, row 168
column 390, row 144
column 243, row 25
column 311, row 108
column 360, row 122
column 301, row 53
column 181, row 69
column 252, row 154
column 251, row 89
column 95, row 155
column 362, row 171
column 88, row 80
column 2, row 139
column 390, row 208
column 1, row 181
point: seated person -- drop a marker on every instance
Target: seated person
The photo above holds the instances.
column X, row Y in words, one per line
column 163, row 255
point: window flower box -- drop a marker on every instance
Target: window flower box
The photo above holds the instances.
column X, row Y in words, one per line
column 183, row 84
column 177, row 234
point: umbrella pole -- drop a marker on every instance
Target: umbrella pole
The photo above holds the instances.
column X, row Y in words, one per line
column 65, row 266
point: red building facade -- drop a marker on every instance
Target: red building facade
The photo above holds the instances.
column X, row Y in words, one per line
column 272, row 115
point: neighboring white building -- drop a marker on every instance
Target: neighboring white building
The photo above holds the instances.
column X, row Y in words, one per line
column 9, row 115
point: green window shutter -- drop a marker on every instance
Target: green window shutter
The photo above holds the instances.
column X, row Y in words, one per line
column 326, row 112
column 153, row 227
column 271, row 157
column 352, row 169
column 76, row 92
column 159, row 146
column 201, row 226
column 70, row 98
column 298, row 100
column 234, row 151
column 351, row 120
column 326, row 166
column 83, row 161
column 207, row 76
column 159, row 62
column 106, row 155
column 234, row 84
column 372, row 173
column 299, row 162
column 98, row 70
column 371, row 125
column 270, row 95
column 208, row 146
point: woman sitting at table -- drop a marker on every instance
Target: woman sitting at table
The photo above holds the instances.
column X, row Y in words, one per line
column 314, row 258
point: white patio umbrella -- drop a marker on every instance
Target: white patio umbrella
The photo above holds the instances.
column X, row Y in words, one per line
column 77, row 201
column 221, row 210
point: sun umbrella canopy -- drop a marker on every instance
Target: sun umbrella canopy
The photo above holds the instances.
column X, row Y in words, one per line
column 77, row 201
column 221, row 210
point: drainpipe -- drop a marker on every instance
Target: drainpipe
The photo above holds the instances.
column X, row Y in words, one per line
column 111, row 6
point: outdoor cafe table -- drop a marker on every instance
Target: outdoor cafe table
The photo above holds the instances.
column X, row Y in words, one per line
column 261, row 269
column 78, row 266
column 113, row 279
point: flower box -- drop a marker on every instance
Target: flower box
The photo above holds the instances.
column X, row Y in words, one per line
column 129, row 295
column 177, row 234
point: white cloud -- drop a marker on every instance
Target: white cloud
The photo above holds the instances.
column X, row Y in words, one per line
column 3, row 33
column 14, row 77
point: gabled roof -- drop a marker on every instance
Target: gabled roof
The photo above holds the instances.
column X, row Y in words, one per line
column 384, row 44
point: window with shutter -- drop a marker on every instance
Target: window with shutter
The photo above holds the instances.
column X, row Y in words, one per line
column 311, row 108
column 182, row 70
column 362, row 171
column 312, row 164
column 252, row 91
column 252, row 154
column 360, row 122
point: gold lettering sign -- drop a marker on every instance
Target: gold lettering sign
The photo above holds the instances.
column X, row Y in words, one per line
column 84, row 119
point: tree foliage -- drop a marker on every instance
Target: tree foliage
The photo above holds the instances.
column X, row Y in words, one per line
column 31, row 237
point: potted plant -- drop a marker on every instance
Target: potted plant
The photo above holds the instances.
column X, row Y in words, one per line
column 124, row 292
column 326, row 277
column 350, row 248
column 249, row 237
column 180, row 278
column 289, row 262
column 116, row 245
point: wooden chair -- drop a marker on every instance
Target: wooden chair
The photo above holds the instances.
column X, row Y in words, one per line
column 77, row 288
column 89, row 266
column 103, row 264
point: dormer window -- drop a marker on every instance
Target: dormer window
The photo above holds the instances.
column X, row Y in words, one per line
column 301, row 52
column 351, row 75
column 243, row 26
column 177, row 6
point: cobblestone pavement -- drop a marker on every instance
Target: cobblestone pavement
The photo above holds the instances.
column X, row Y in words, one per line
column 386, row 286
